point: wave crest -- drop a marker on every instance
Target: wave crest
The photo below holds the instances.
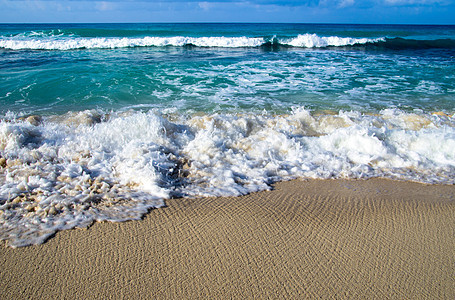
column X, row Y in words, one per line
column 111, row 43
column 56, row 40
column 315, row 41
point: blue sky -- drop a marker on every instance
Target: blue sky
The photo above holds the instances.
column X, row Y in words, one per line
column 304, row 11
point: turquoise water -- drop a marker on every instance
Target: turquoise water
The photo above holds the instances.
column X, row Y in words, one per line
column 114, row 66
column 106, row 121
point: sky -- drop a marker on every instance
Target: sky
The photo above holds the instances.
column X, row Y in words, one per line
column 267, row 11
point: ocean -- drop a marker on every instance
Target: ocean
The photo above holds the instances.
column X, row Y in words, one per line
column 103, row 122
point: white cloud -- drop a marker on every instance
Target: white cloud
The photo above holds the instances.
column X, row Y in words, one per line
column 346, row 3
column 105, row 6
column 204, row 5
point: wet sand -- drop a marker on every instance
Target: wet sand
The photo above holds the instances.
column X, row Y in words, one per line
column 373, row 239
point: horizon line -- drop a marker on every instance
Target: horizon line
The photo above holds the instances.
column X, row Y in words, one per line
column 204, row 22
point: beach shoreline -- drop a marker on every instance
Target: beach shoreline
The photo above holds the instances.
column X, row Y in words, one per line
column 373, row 239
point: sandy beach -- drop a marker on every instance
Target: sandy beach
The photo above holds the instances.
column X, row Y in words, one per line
column 343, row 239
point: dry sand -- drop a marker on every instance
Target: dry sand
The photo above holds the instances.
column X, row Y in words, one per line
column 373, row 239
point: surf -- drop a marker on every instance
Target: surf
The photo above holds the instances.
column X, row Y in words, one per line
column 62, row 42
column 67, row 171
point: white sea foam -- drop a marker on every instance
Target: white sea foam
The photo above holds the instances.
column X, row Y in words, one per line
column 71, row 170
column 315, row 41
column 111, row 43
column 62, row 42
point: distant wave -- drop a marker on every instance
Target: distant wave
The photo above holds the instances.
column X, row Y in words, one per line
column 111, row 43
column 65, row 42
column 315, row 41
column 403, row 44
column 58, row 42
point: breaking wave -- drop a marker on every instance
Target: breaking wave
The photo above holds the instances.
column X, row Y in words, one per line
column 61, row 172
column 47, row 41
